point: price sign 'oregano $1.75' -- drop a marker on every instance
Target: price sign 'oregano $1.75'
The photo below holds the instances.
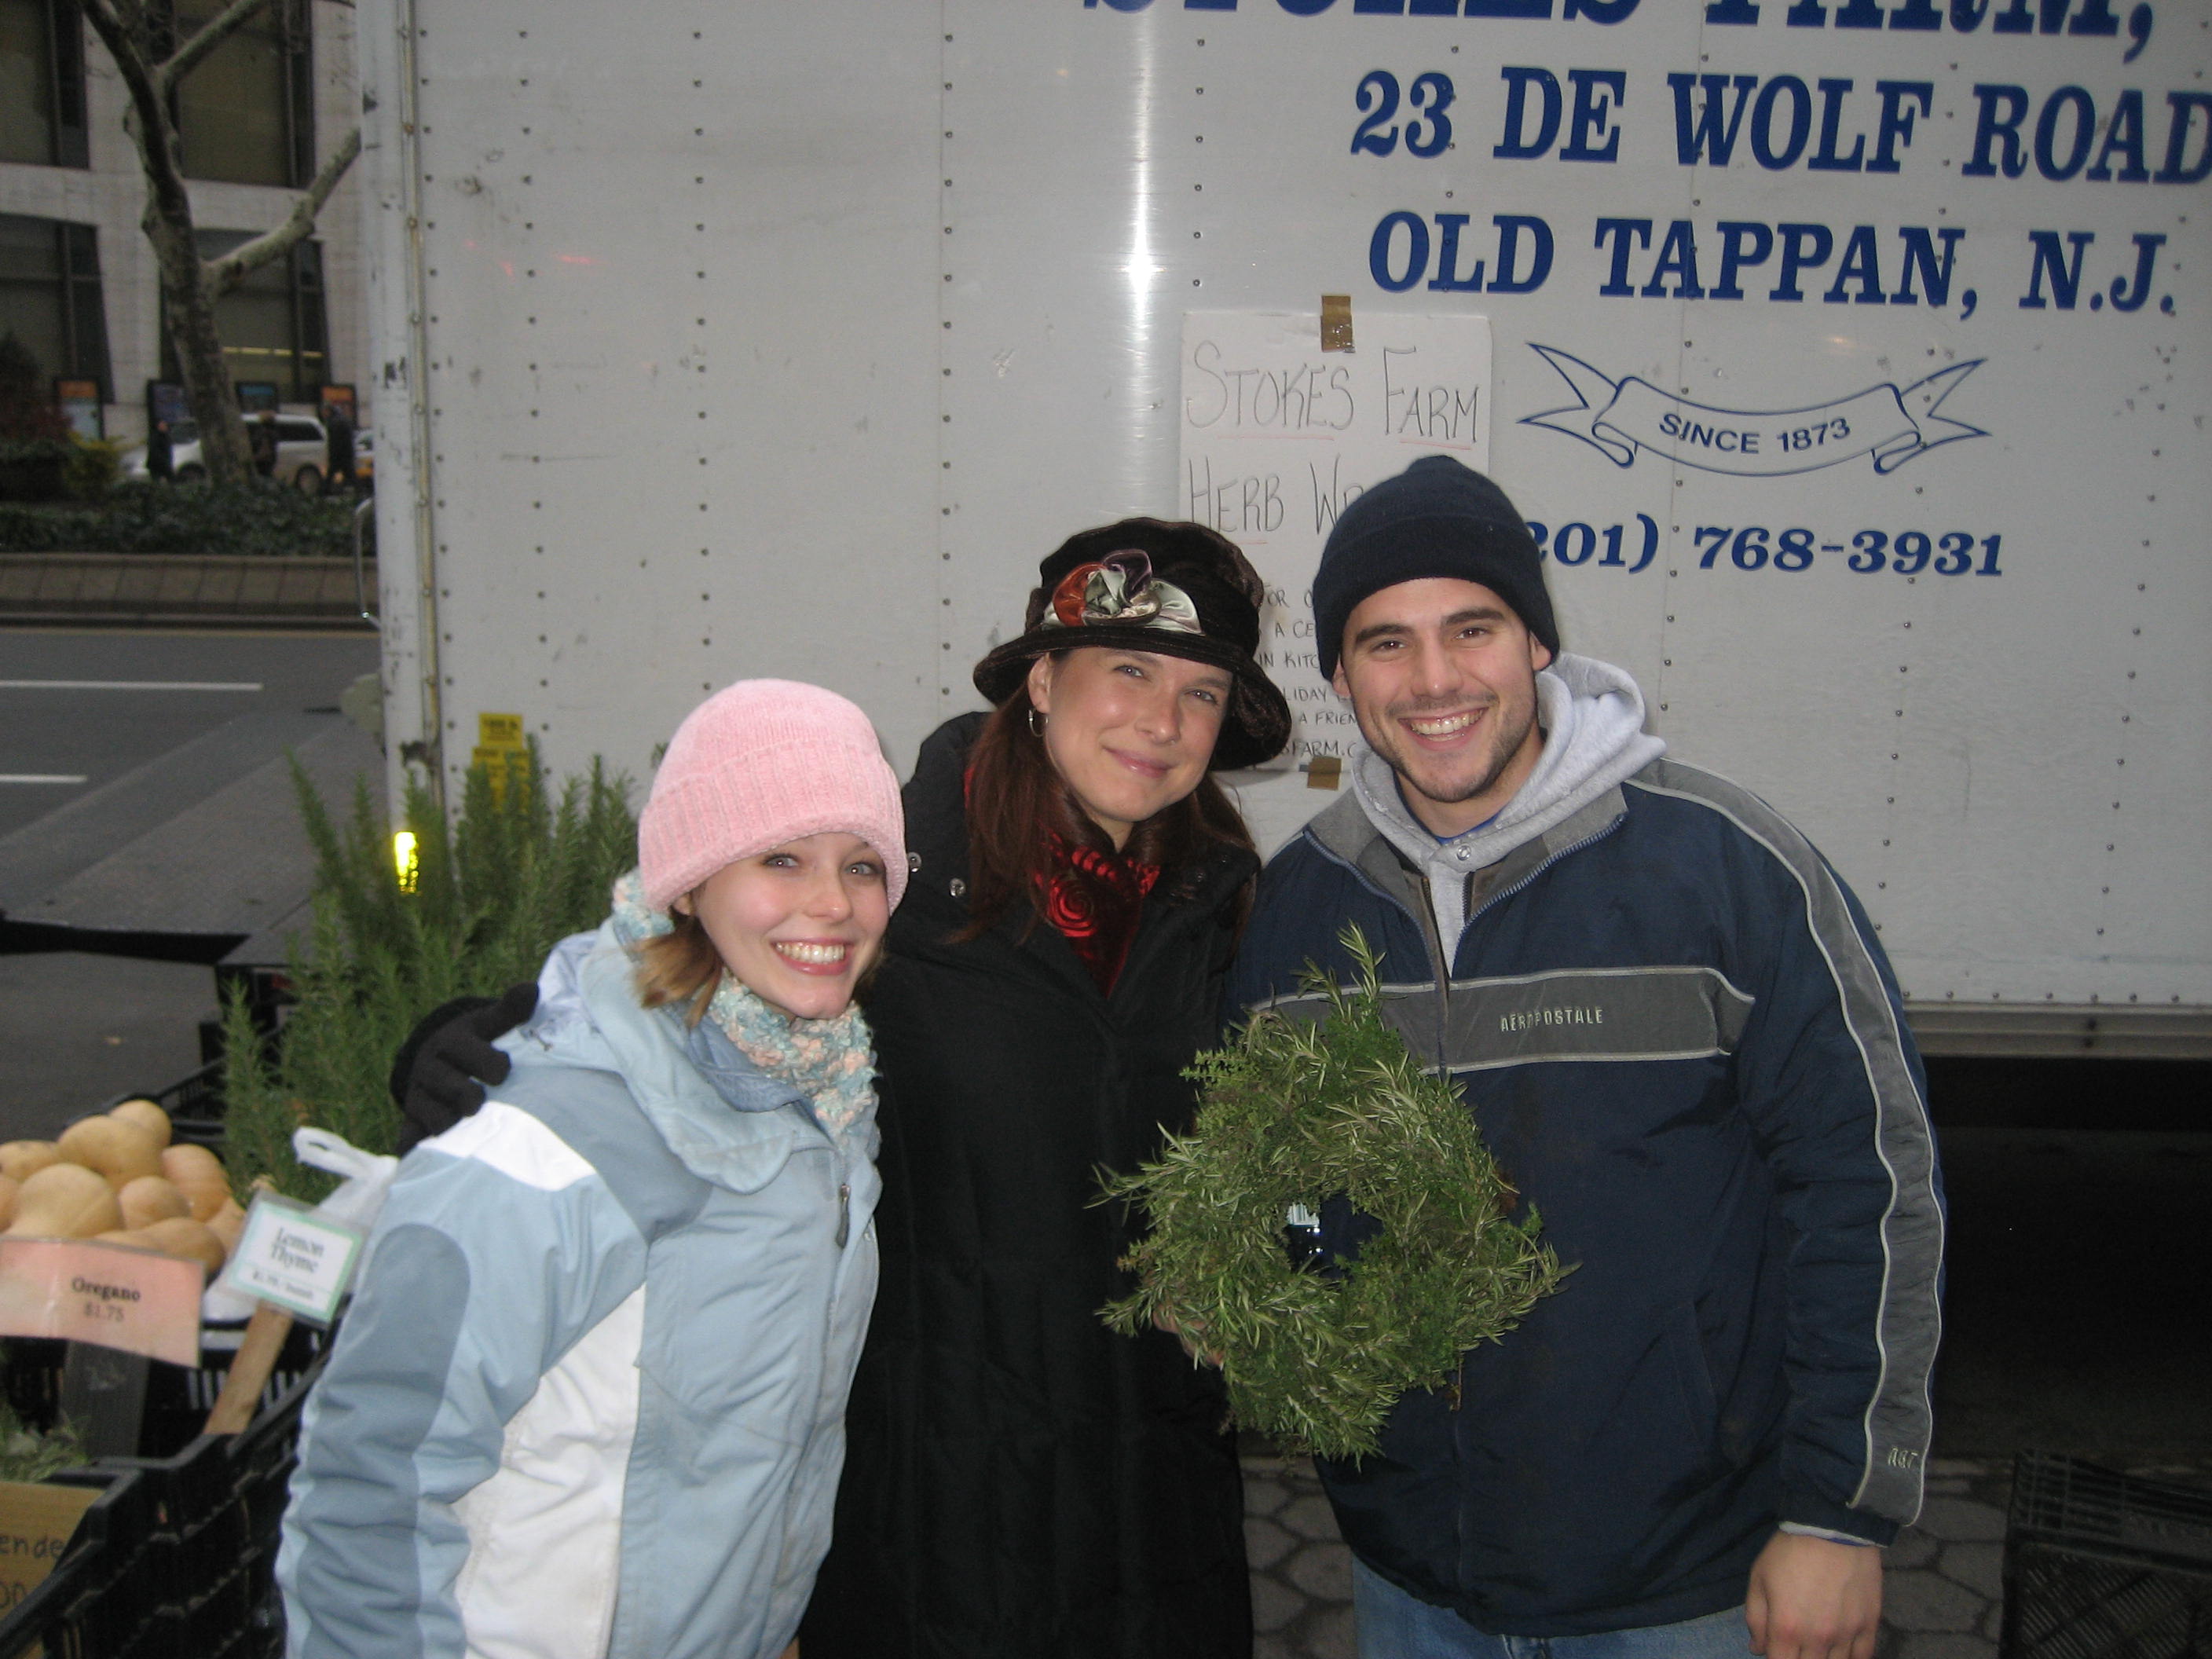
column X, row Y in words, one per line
column 1293, row 1112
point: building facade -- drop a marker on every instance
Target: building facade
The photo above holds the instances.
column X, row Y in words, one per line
column 78, row 285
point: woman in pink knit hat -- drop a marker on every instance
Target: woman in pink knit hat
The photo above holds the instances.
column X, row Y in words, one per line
column 1021, row 1480
column 591, row 1395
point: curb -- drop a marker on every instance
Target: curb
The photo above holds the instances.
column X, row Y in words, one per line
column 204, row 590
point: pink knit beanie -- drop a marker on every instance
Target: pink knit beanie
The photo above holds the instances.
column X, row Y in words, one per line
column 759, row 764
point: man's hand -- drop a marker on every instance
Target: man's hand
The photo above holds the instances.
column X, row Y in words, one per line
column 438, row 1076
column 1812, row 1598
column 1191, row 1333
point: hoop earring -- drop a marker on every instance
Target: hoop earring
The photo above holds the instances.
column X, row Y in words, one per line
column 1036, row 722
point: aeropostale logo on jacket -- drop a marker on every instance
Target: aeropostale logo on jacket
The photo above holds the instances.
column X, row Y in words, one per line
column 1530, row 1017
column 1576, row 1014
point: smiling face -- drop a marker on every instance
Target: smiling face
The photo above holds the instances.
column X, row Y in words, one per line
column 1130, row 732
column 798, row 924
column 1442, row 676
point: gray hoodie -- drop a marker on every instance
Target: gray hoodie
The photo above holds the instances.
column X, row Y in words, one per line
column 1592, row 718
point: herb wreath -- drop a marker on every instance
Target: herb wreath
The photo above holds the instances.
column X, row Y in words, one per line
column 1292, row 1112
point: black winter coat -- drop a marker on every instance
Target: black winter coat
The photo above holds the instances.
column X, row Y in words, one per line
column 1020, row 1482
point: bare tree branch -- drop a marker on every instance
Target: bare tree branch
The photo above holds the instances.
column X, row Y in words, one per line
column 223, row 275
column 123, row 28
column 219, row 29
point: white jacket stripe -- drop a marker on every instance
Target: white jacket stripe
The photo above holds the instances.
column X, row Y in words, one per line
column 1899, row 1416
column 516, row 1145
column 545, row 1531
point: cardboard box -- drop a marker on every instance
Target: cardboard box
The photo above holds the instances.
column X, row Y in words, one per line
column 36, row 1524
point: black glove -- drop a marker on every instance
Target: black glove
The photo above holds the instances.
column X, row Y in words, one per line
column 439, row 1075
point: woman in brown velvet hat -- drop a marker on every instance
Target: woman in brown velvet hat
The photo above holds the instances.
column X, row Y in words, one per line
column 1021, row 1482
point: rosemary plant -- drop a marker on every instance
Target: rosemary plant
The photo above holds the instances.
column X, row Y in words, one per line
column 30, row 1456
column 489, row 896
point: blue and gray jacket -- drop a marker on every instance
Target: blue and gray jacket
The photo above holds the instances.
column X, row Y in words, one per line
column 589, row 1398
column 1679, row 1036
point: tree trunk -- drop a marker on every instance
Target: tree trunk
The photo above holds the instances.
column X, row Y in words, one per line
column 190, row 285
column 190, row 313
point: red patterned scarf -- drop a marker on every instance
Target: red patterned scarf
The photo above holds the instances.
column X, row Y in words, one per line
column 1095, row 900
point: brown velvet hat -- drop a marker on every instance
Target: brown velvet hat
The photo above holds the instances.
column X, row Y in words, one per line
column 1146, row 585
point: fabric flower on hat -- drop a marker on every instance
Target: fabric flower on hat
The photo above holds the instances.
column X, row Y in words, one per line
column 1120, row 588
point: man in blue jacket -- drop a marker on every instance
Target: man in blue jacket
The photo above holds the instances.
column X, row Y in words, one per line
column 1678, row 1035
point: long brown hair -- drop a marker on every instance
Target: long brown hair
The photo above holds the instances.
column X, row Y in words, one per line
column 1014, row 796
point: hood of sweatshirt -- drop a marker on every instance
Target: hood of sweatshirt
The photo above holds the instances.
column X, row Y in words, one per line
column 1592, row 717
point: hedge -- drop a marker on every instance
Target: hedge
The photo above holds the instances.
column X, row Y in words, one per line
column 254, row 517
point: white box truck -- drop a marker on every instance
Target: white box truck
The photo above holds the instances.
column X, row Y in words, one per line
column 1852, row 359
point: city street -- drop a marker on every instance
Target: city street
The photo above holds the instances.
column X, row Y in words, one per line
column 80, row 709
column 143, row 789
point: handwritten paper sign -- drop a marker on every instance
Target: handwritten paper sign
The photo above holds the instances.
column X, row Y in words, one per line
column 289, row 1257
column 36, row 1524
column 1282, row 427
column 112, row 1296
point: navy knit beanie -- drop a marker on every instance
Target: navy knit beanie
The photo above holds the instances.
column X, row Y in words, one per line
column 1437, row 518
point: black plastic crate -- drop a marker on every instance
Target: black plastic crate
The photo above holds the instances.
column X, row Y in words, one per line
column 178, row 1397
column 229, row 1608
column 177, row 1559
column 101, row 1599
column 2099, row 1565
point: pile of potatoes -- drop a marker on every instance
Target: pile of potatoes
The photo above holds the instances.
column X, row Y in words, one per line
column 117, row 1178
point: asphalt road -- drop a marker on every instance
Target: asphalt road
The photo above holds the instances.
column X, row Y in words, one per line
column 140, row 753
column 81, row 709
column 77, row 1031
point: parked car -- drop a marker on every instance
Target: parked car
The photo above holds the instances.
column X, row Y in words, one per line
column 303, row 447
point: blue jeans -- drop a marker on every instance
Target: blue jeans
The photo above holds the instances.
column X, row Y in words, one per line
column 1395, row 1626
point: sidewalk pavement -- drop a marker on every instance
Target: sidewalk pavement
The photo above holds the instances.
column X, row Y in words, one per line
column 1942, row 1594
column 171, row 590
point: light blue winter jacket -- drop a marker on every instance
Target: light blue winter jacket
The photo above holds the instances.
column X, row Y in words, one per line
column 589, row 1398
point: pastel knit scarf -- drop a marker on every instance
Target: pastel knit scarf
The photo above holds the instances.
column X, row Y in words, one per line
column 827, row 1060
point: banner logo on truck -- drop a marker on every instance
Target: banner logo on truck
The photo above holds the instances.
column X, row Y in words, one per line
column 1619, row 417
